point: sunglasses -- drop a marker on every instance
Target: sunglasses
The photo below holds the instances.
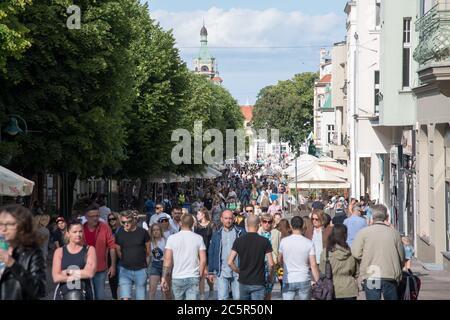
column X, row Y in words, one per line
column 127, row 221
column 266, row 221
column 159, row 207
column 248, row 210
column 95, row 216
column 112, row 219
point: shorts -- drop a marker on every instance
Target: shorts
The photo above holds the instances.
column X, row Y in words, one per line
column 156, row 268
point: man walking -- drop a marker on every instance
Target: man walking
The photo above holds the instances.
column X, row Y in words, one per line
column 252, row 250
column 219, row 250
column 133, row 248
column 184, row 262
column 99, row 235
column 274, row 236
column 354, row 224
column 159, row 214
column 381, row 252
column 175, row 222
column 297, row 255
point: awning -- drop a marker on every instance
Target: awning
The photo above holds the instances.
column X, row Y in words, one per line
column 318, row 178
column 13, row 185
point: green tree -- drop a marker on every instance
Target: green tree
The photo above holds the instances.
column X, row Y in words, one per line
column 13, row 41
column 288, row 107
column 74, row 86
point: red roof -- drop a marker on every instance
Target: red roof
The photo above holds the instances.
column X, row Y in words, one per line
column 217, row 79
column 326, row 79
column 247, row 111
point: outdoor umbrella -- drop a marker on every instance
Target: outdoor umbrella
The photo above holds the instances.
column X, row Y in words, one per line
column 14, row 185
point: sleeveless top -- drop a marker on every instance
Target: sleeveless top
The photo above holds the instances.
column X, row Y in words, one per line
column 75, row 261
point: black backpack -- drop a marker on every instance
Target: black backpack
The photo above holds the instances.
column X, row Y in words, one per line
column 409, row 286
column 324, row 288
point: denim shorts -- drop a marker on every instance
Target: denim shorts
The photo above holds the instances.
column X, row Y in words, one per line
column 156, row 268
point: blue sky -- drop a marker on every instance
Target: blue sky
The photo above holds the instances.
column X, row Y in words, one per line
column 238, row 29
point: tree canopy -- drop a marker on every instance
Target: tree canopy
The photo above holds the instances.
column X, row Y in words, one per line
column 288, row 107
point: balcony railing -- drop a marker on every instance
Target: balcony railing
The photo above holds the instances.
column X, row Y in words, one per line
column 434, row 34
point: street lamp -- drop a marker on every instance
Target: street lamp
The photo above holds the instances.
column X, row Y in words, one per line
column 13, row 128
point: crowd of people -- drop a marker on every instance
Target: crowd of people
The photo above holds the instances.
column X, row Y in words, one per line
column 234, row 236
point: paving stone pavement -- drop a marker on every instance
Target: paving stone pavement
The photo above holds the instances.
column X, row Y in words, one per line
column 435, row 285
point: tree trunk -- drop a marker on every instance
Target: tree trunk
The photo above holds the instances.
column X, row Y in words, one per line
column 68, row 183
column 140, row 202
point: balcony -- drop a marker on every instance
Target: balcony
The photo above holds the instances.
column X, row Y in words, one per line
column 433, row 50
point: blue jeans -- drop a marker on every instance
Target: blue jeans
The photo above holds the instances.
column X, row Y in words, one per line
column 223, row 288
column 374, row 290
column 129, row 277
column 186, row 289
column 303, row 289
column 99, row 284
column 251, row 292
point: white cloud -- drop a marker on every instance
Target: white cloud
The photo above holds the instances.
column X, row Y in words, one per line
column 245, row 27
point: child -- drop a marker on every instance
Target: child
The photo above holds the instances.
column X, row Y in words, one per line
column 409, row 252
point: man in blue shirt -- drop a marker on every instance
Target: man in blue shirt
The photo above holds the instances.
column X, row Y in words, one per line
column 354, row 224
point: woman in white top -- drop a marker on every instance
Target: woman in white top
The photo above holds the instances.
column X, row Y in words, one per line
column 157, row 246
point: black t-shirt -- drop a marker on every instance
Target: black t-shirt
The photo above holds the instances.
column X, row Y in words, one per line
column 132, row 246
column 58, row 235
column 208, row 202
column 252, row 249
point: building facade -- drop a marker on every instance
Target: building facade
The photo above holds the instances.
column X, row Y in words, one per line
column 433, row 132
column 363, row 45
column 339, row 145
column 324, row 121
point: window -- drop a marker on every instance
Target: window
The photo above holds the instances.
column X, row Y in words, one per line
column 261, row 148
column 406, row 53
column 426, row 5
column 330, row 133
column 377, row 13
column 377, row 91
column 205, row 69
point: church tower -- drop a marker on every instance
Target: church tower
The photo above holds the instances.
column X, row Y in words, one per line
column 205, row 63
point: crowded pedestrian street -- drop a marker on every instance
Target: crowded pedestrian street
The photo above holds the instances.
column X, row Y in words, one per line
column 225, row 150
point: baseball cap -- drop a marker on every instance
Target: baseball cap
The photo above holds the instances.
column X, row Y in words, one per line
column 60, row 219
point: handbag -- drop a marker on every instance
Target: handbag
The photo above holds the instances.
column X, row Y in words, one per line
column 76, row 294
column 324, row 288
column 409, row 286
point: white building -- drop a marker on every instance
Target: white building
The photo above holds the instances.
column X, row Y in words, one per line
column 366, row 145
column 324, row 118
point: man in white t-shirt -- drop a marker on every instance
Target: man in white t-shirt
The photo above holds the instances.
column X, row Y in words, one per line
column 297, row 255
column 184, row 262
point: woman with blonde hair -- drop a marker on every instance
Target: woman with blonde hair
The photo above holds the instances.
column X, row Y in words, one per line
column 307, row 227
column 205, row 228
column 157, row 247
column 40, row 224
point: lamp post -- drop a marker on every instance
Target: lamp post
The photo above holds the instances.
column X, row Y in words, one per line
column 12, row 127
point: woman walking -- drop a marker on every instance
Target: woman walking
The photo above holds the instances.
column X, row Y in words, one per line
column 22, row 267
column 343, row 265
column 74, row 266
